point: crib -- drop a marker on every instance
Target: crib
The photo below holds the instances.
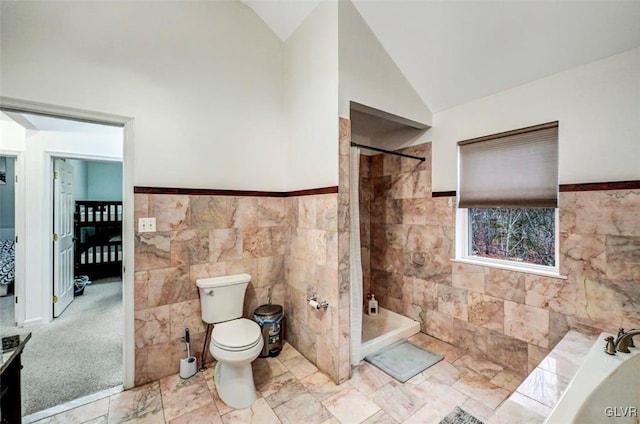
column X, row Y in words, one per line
column 98, row 238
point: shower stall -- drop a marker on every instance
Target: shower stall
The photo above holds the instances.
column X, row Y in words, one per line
column 376, row 188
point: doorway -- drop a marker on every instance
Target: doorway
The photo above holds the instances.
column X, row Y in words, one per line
column 7, row 241
column 80, row 346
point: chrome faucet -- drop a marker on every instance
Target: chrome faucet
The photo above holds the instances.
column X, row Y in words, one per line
column 625, row 340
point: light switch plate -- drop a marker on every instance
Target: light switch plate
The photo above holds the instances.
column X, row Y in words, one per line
column 146, row 225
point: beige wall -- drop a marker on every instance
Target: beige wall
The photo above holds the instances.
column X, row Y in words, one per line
column 311, row 100
column 203, row 81
column 596, row 105
column 369, row 76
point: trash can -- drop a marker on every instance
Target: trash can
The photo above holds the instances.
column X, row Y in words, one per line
column 271, row 321
column 80, row 282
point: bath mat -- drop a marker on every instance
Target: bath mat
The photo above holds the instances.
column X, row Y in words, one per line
column 403, row 360
column 460, row 416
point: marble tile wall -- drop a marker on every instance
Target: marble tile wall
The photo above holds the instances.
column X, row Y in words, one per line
column 406, row 236
column 365, row 193
column 512, row 317
column 344, row 244
column 197, row 237
column 517, row 318
column 311, row 268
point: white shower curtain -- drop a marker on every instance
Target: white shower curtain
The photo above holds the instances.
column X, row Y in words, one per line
column 355, row 258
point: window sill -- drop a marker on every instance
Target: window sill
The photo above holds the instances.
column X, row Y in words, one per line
column 510, row 267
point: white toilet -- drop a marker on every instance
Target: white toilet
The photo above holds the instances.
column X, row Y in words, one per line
column 235, row 341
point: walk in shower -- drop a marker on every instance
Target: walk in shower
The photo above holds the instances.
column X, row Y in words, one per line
column 376, row 198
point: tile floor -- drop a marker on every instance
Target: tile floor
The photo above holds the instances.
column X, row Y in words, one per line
column 292, row 390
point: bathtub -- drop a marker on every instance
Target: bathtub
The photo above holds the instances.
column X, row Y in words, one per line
column 605, row 389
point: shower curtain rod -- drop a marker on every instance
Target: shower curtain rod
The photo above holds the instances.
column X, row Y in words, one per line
column 388, row 151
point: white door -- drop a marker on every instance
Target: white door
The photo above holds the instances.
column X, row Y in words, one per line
column 63, row 236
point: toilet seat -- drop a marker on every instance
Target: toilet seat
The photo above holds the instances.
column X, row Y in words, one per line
column 236, row 335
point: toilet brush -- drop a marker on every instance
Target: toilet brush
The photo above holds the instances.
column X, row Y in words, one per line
column 188, row 365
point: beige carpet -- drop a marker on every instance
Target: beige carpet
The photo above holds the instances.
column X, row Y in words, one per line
column 7, row 314
column 79, row 353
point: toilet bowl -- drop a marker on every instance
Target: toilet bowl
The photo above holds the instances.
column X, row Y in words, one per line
column 235, row 344
column 235, row 341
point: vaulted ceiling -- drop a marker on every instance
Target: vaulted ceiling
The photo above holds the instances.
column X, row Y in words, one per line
column 453, row 52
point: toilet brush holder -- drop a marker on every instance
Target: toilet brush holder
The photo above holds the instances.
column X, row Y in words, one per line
column 188, row 367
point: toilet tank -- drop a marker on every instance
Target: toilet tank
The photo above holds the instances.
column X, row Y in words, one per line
column 222, row 298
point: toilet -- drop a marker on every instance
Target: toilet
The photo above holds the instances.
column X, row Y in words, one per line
column 235, row 341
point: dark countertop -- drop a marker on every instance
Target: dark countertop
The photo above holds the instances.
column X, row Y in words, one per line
column 10, row 354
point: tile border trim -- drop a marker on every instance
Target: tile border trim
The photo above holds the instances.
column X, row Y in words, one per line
column 443, row 193
column 248, row 193
column 564, row 188
column 612, row 185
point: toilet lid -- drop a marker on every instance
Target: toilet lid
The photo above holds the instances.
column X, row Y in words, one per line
column 237, row 334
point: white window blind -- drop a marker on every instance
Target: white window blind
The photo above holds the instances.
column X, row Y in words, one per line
column 512, row 169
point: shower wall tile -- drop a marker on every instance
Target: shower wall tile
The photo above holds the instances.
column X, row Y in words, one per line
column 490, row 311
column 414, row 211
column 440, row 211
column 425, row 292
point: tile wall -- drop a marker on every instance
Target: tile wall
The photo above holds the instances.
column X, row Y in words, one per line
column 515, row 318
column 198, row 237
column 311, row 268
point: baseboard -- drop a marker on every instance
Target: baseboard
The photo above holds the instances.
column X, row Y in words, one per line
column 33, row 322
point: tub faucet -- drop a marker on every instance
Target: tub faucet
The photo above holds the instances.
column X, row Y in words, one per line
column 625, row 340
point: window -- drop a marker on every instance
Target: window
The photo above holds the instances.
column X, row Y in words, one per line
column 524, row 235
column 507, row 199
